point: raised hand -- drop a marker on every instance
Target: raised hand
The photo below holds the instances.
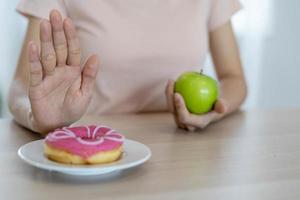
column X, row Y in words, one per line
column 186, row 120
column 60, row 88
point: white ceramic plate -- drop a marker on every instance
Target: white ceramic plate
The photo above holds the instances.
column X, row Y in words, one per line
column 134, row 154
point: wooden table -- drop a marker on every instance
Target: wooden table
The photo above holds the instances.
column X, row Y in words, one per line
column 249, row 155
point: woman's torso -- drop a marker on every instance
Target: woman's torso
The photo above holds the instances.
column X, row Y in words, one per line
column 141, row 44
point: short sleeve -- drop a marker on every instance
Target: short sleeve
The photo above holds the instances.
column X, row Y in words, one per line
column 41, row 8
column 221, row 11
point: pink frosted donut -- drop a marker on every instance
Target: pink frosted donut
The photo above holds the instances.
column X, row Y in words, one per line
column 84, row 145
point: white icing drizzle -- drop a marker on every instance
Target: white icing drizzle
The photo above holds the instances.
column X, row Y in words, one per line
column 98, row 127
column 62, row 135
column 111, row 133
column 88, row 131
column 95, row 140
column 98, row 141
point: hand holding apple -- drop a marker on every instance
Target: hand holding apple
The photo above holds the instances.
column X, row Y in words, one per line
column 183, row 117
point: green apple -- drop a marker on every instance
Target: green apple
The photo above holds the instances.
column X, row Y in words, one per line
column 199, row 91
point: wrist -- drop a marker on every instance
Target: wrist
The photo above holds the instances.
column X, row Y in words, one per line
column 35, row 126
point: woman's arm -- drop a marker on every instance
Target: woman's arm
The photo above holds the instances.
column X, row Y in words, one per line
column 50, row 88
column 19, row 104
column 228, row 67
column 229, row 70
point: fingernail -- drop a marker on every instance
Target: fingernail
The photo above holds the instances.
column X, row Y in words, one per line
column 42, row 20
column 168, row 82
column 96, row 60
column 55, row 11
column 191, row 128
column 69, row 21
column 177, row 101
column 177, row 96
column 45, row 25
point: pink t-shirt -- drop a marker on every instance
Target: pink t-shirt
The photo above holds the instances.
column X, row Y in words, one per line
column 141, row 44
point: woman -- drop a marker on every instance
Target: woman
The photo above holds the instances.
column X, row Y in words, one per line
column 140, row 45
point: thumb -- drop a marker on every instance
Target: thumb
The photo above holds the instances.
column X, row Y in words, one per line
column 89, row 74
column 220, row 106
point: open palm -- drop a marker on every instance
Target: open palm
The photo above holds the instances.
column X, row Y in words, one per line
column 60, row 89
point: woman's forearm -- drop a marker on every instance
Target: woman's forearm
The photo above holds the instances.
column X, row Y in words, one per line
column 19, row 106
column 233, row 92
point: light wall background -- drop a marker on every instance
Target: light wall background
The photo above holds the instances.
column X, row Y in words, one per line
column 268, row 32
column 13, row 27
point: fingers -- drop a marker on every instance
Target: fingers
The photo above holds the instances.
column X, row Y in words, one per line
column 59, row 39
column 191, row 121
column 36, row 71
column 182, row 112
column 89, row 74
column 48, row 56
column 74, row 52
column 191, row 128
column 170, row 101
column 169, row 94
column 220, row 107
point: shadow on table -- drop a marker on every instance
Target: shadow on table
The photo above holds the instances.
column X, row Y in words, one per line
column 60, row 178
